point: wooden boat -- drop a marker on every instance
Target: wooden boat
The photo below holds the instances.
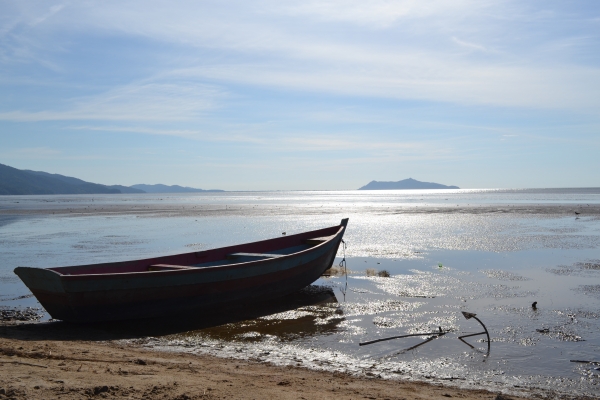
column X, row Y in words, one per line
column 198, row 281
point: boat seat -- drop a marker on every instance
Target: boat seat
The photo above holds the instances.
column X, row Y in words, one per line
column 318, row 240
column 252, row 256
column 167, row 267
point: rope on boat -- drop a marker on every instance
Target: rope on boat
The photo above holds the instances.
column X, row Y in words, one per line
column 342, row 264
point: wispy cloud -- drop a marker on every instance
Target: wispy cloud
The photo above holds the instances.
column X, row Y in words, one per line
column 31, row 153
column 377, row 148
column 404, row 61
column 469, row 45
column 147, row 101
column 414, row 76
column 53, row 10
column 194, row 134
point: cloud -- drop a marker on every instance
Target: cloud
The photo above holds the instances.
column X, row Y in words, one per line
column 194, row 134
column 350, row 142
column 144, row 101
column 422, row 77
column 376, row 49
column 53, row 10
column 32, row 153
column 472, row 46
column 408, row 60
column 276, row 142
column 375, row 13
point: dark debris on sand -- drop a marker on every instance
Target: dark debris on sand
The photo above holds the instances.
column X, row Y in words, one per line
column 15, row 314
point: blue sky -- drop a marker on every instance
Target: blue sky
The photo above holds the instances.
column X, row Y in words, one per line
column 318, row 94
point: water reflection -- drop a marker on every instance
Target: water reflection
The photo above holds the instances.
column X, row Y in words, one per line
column 313, row 311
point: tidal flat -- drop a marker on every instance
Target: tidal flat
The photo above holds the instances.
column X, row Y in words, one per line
column 492, row 253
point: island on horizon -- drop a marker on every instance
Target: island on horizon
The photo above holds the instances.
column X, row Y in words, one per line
column 405, row 184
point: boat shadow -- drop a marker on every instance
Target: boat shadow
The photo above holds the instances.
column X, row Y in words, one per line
column 175, row 324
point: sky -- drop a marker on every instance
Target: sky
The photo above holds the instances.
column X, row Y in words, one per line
column 303, row 95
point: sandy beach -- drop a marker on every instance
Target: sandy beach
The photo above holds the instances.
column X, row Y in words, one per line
column 38, row 362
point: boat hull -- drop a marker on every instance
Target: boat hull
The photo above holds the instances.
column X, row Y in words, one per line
column 83, row 297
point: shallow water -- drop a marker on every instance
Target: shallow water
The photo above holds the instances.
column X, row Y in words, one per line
column 499, row 252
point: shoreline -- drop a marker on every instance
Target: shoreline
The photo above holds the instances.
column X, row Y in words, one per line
column 32, row 367
column 153, row 209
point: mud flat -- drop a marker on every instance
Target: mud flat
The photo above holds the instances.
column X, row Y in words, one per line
column 42, row 361
column 83, row 207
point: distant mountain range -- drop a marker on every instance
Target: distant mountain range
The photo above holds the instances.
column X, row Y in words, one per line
column 24, row 182
column 169, row 189
column 409, row 183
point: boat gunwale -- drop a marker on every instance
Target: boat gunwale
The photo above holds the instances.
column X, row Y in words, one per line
column 195, row 270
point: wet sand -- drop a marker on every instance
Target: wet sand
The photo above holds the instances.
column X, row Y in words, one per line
column 38, row 362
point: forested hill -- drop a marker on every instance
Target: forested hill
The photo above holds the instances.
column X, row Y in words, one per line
column 22, row 182
column 15, row 181
column 159, row 188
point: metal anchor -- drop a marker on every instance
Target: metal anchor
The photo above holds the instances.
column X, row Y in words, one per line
column 469, row 315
